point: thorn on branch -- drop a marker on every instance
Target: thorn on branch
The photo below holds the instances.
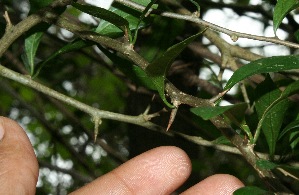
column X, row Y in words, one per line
column 220, row 95
column 97, row 121
column 173, row 113
column 8, row 21
column 148, row 117
column 196, row 14
column 220, row 75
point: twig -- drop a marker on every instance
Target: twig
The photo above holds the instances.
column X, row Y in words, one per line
column 217, row 97
column 225, row 148
column 76, row 123
column 49, row 127
column 233, row 34
column 8, row 22
column 16, row 31
column 194, row 139
column 27, row 81
column 245, row 148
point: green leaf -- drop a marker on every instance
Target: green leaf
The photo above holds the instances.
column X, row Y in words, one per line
column 159, row 67
column 222, row 140
column 147, row 8
column 282, row 8
column 72, row 46
column 31, row 45
column 250, row 190
column 238, row 112
column 291, row 89
column 265, row 164
column 209, row 112
column 135, row 73
column 287, row 170
column 196, row 5
column 294, row 139
column 293, row 125
column 155, row 46
column 271, row 117
column 104, row 14
column 37, row 4
column 264, row 65
column 132, row 16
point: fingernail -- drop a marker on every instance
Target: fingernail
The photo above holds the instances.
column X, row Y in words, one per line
column 1, row 132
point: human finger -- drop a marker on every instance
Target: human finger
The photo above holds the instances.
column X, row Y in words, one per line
column 18, row 164
column 158, row 171
column 219, row 184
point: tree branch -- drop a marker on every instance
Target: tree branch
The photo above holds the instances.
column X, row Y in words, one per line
column 193, row 18
column 14, row 32
column 27, row 81
column 245, row 148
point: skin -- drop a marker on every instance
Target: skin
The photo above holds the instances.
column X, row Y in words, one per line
column 157, row 171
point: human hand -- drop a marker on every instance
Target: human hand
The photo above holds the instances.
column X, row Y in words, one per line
column 158, row 171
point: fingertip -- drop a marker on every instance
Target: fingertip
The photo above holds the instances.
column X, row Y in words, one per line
column 158, row 171
column 166, row 165
column 223, row 184
column 227, row 183
column 165, row 168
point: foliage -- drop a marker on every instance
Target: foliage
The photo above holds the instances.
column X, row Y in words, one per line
column 136, row 67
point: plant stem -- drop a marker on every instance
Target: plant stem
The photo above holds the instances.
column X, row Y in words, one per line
column 14, row 32
column 233, row 34
column 245, row 148
column 27, row 81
